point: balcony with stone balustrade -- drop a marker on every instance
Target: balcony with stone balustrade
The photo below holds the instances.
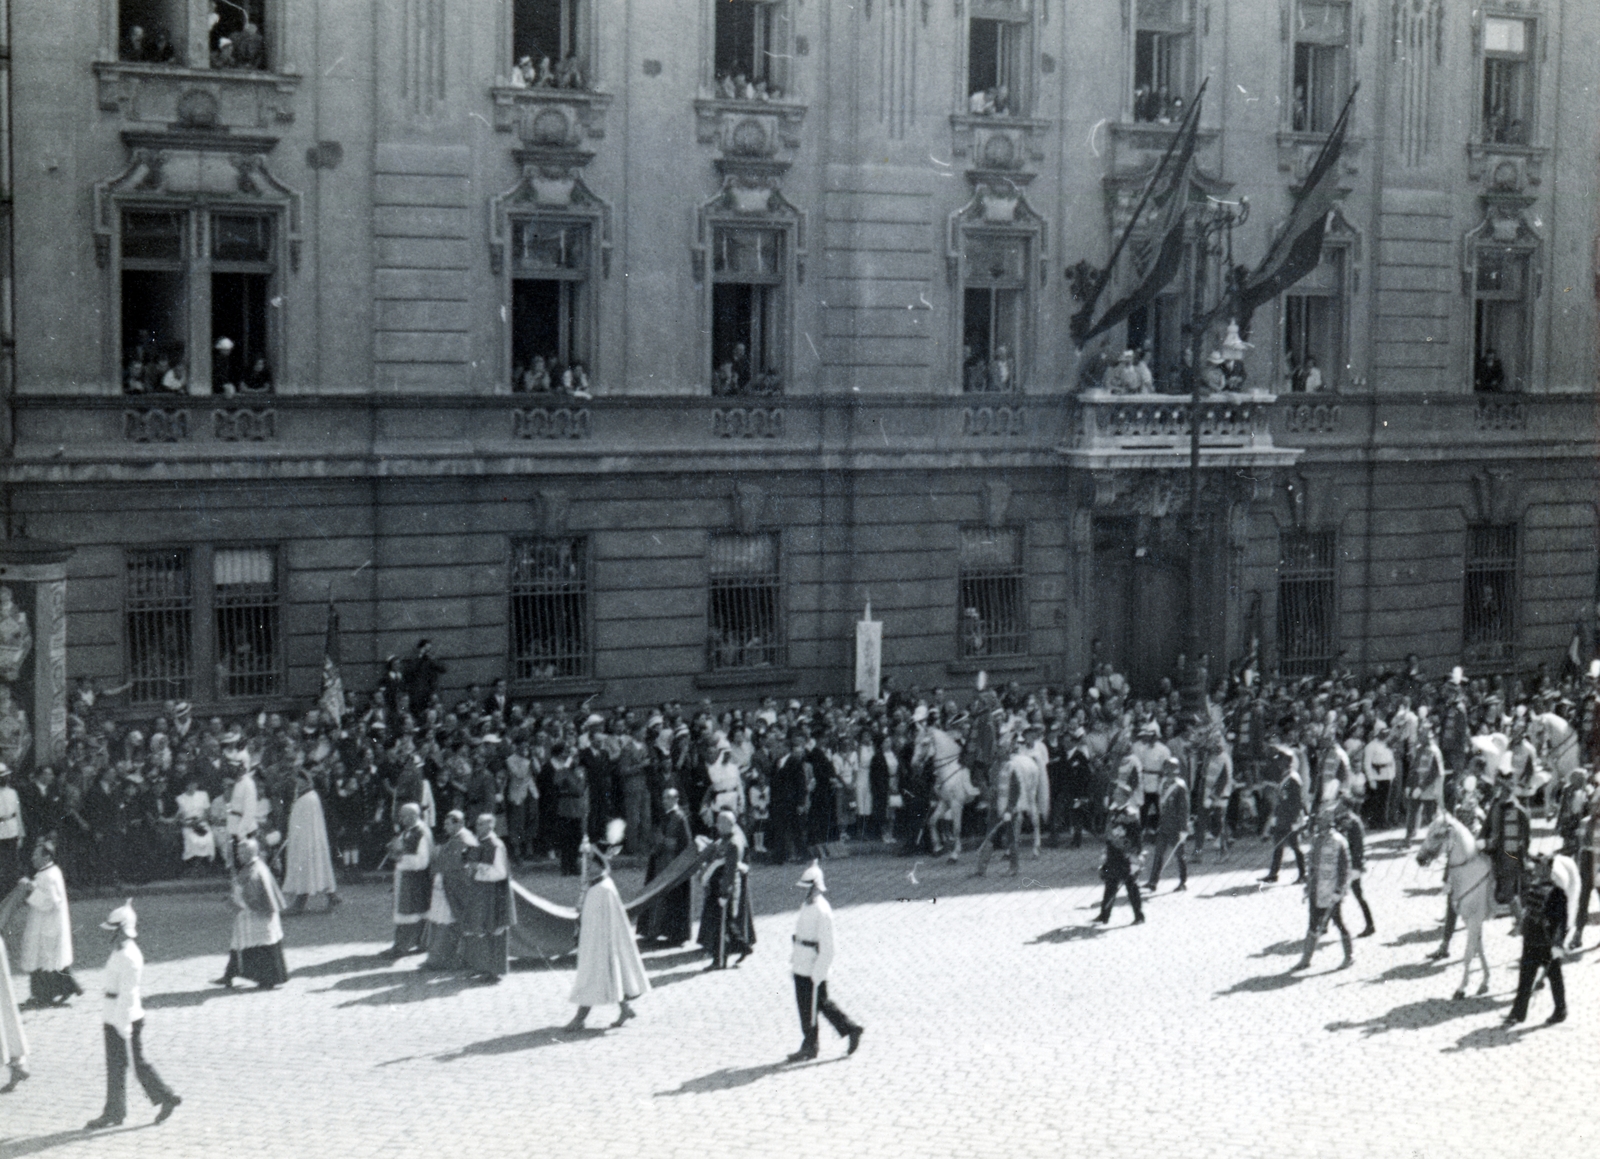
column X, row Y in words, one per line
column 1152, row 431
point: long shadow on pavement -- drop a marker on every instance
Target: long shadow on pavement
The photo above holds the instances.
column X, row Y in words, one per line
column 1281, row 949
column 1421, row 1015
column 1235, row 891
column 346, row 965
column 1067, row 934
column 1261, row 984
column 416, row 989
column 182, row 998
column 1416, row 938
column 1409, row 972
column 657, row 981
column 16, row 1148
column 1487, row 1037
column 526, row 1040
column 731, row 1077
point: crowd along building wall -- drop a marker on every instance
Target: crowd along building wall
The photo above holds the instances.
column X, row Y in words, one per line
column 810, row 258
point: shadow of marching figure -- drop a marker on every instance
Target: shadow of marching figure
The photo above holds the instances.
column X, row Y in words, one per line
column 1261, row 984
column 1423, row 891
column 17, row 1148
column 1486, row 1038
column 181, row 998
column 676, row 958
column 1408, row 972
column 1282, row 949
column 526, row 1040
column 1234, row 891
column 346, row 965
column 1417, row 938
column 1429, row 1012
column 416, row 986
column 1067, row 934
column 732, row 1077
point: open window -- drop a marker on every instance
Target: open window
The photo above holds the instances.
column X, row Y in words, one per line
column 550, row 304
column 1501, row 305
column 548, row 43
column 747, row 49
column 1507, row 99
column 154, row 32
column 997, row 54
column 1321, row 64
column 994, row 311
column 1313, row 326
column 238, row 34
column 1163, row 59
column 748, row 287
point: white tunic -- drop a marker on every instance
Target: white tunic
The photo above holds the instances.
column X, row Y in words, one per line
column 121, row 1007
column 813, row 940
column 308, row 861
column 242, row 808
column 47, row 938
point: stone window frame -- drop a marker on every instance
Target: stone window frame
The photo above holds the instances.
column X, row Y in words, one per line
column 588, row 51
column 775, row 581
column 276, row 28
column 781, row 17
column 1323, row 542
column 1505, row 228
column 1535, row 55
column 1502, row 650
column 1020, row 16
column 582, row 660
column 1000, row 209
column 1016, row 572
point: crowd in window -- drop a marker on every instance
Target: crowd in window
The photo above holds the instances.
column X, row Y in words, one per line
column 735, row 375
column 154, row 369
column 990, row 102
column 981, row 375
column 738, row 86
column 1157, row 105
column 565, row 73
column 548, row 376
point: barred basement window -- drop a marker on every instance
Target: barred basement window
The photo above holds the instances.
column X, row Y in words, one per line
column 158, row 621
column 992, row 619
column 550, row 609
column 1489, row 603
column 245, row 606
column 744, row 617
column 1307, row 637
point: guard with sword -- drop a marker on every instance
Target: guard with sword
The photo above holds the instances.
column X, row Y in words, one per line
column 812, row 955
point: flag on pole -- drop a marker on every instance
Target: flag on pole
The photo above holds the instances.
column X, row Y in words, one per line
column 332, row 699
column 1297, row 249
column 1168, row 190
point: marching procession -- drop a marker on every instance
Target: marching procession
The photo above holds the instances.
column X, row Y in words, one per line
column 452, row 800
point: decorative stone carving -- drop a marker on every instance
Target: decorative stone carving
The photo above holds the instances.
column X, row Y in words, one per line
column 543, row 116
column 244, row 425
column 749, row 508
column 749, row 129
column 1506, row 168
column 159, row 96
column 747, row 422
column 553, row 504
column 1500, row 414
column 549, row 183
column 551, row 423
column 994, row 421
column 996, row 502
column 1494, row 496
column 155, row 425
column 1319, row 418
column 992, row 146
column 1297, row 152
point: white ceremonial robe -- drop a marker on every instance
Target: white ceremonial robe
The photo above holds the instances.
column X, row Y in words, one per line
column 251, row 928
column 47, row 936
column 242, row 809
column 610, row 969
column 308, row 858
column 13, row 1041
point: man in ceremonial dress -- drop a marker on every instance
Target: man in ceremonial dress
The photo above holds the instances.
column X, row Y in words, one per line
column 256, row 951
column 123, row 1018
column 1327, row 881
column 13, row 1042
column 810, row 960
column 308, row 858
column 610, row 969
column 670, row 916
column 243, row 811
column 47, row 935
column 452, row 883
column 412, row 851
column 725, row 921
column 485, row 947
column 1544, row 928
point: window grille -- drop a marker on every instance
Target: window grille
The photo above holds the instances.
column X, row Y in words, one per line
column 1307, row 635
column 159, row 625
column 1489, row 604
column 550, row 609
column 245, row 607
column 992, row 618
column 744, row 622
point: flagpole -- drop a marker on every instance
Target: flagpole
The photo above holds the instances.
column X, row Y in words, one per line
column 1144, row 198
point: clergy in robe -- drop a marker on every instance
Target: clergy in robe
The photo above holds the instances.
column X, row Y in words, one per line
column 47, row 935
column 485, row 949
column 726, row 922
column 243, row 805
column 308, row 857
column 412, row 852
column 610, row 969
column 671, row 915
column 452, row 885
column 13, row 1042
column 256, row 951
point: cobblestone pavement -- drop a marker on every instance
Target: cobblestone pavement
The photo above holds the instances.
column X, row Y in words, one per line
column 999, row 1022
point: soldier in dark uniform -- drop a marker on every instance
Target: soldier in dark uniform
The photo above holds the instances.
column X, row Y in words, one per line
column 1123, row 836
column 1506, row 834
column 1348, row 822
column 1544, row 929
column 1077, row 787
column 669, row 916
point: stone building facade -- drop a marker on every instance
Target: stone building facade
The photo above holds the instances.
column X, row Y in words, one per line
column 285, row 307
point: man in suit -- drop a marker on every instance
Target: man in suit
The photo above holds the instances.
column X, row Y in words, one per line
column 790, row 788
column 420, row 676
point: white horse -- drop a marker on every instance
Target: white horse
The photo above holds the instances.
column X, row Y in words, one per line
column 1469, row 877
column 940, row 753
column 1557, row 742
column 1033, row 796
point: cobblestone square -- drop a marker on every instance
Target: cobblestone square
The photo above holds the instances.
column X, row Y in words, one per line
column 999, row 1022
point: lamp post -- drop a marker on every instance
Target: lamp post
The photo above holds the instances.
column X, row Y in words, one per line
column 1211, row 225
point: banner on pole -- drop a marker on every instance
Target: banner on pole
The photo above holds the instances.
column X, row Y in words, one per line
column 869, row 655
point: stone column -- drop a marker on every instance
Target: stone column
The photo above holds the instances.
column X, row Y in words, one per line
column 33, row 652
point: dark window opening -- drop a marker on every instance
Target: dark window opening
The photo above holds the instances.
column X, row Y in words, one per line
column 1158, row 330
column 241, row 309
column 154, row 329
column 549, row 332
column 1507, row 110
column 747, row 300
column 245, row 609
column 550, row 609
column 545, row 43
column 158, row 625
column 153, row 31
column 1318, row 87
column 238, row 37
column 1307, row 638
column 743, row 62
column 1500, row 321
column 744, row 624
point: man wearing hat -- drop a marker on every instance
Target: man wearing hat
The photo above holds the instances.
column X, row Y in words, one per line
column 1121, row 375
column 1544, row 929
column 256, row 950
column 420, row 676
column 610, row 968
column 1216, row 374
column 1077, row 786
column 1149, row 757
column 1507, row 837
column 123, row 1018
column 1172, row 826
column 243, row 803
column 810, row 960
column 1327, row 881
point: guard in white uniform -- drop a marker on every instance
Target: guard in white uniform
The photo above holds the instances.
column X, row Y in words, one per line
column 124, row 1025
column 813, row 954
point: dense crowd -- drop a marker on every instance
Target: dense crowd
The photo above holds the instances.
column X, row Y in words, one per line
column 138, row 798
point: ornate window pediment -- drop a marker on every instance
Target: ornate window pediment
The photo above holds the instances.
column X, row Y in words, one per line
column 544, row 189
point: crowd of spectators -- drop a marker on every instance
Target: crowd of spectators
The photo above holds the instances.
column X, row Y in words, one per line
column 547, row 375
column 803, row 775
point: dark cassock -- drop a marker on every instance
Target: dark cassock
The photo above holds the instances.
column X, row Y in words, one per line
column 412, row 851
column 452, row 890
column 726, row 922
column 485, row 950
column 670, row 916
column 256, row 951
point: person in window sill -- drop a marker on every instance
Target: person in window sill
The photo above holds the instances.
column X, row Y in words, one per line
column 1489, row 375
column 222, row 54
column 1215, row 376
column 725, row 382
column 1311, row 377
column 1121, row 376
column 524, row 74
column 1144, row 377
column 258, row 379
column 569, row 75
column 1002, row 371
column 249, row 48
